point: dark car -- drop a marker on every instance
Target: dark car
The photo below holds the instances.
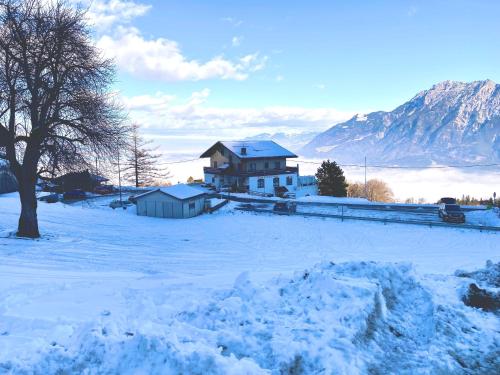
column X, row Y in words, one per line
column 51, row 198
column 285, row 207
column 74, row 195
column 105, row 189
column 451, row 213
column 447, row 200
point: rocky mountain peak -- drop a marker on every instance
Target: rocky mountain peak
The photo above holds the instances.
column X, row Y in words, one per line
column 452, row 121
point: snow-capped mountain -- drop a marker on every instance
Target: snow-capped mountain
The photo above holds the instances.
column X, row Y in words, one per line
column 453, row 122
column 293, row 141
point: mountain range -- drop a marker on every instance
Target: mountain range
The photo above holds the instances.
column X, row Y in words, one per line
column 291, row 141
column 451, row 123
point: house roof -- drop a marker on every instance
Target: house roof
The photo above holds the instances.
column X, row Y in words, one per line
column 179, row 191
column 254, row 149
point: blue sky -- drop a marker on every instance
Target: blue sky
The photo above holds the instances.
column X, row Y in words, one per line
column 223, row 69
column 351, row 55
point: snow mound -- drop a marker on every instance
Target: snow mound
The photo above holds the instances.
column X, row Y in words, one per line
column 488, row 276
column 350, row 318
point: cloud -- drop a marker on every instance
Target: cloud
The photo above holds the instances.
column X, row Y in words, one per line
column 236, row 41
column 164, row 115
column 279, row 78
column 233, row 21
column 320, row 86
column 162, row 59
column 104, row 14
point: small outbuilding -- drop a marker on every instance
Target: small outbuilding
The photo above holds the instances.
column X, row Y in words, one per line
column 178, row 201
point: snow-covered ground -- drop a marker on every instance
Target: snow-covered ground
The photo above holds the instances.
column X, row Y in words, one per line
column 106, row 291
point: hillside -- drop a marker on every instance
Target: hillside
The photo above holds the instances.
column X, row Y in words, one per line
column 453, row 122
column 105, row 291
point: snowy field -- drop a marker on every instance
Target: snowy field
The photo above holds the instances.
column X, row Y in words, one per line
column 105, row 291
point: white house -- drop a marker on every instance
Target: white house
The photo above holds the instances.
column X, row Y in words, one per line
column 251, row 166
column 177, row 201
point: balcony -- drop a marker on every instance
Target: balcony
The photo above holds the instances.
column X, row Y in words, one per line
column 231, row 171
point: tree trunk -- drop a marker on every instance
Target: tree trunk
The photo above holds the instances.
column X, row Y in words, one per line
column 28, row 221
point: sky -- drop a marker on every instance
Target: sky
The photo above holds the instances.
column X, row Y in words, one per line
column 194, row 71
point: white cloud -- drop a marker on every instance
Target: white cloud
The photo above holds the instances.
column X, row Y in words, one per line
column 320, row 86
column 233, row 21
column 104, row 14
column 164, row 116
column 236, row 41
column 162, row 59
column 279, row 78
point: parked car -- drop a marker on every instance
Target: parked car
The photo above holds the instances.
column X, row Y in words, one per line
column 119, row 203
column 51, row 198
column 74, row 195
column 105, row 189
column 448, row 200
column 286, row 207
column 451, row 213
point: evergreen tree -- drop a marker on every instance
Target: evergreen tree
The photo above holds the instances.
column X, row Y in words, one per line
column 331, row 180
column 141, row 166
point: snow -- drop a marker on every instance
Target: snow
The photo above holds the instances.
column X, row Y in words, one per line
column 489, row 217
column 325, row 148
column 361, row 117
column 106, row 291
column 339, row 200
column 179, row 191
column 257, row 149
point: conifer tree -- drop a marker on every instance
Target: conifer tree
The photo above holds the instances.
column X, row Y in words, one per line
column 331, row 180
column 142, row 166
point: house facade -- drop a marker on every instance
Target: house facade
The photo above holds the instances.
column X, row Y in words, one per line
column 251, row 166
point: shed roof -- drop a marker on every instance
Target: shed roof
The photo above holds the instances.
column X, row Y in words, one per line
column 253, row 149
column 179, row 191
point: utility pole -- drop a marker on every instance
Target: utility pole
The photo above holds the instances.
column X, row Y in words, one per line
column 119, row 178
column 366, row 188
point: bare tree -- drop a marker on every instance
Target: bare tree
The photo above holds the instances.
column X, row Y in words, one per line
column 55, row 107
column 376, row 190
column 142, row 163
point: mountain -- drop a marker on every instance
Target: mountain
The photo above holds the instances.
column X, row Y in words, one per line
column 293, row 142
column 453, row 122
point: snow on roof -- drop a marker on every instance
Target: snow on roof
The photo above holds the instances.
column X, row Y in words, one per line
column 182, row 191
column 253, row 149
column 179, row 191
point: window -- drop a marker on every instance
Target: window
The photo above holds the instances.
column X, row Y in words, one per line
column 276, row 181
column 253, row 167
column 215, row 164
column 191, row 206
column 289, row 180
column 213, row 180
column 266, row 165
column 260, row 183
column 243, row 151
column 277, row 165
